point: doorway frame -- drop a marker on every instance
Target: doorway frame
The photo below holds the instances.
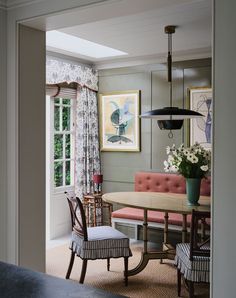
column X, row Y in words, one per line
column 17, row 16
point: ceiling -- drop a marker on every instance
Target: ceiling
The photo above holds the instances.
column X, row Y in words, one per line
column 140, row 31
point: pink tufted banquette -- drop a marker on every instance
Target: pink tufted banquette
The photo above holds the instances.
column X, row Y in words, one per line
column 157, row 182
column 163, row 182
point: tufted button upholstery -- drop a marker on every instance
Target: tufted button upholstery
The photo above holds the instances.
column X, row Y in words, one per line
column 163, row 182
column 159, row 182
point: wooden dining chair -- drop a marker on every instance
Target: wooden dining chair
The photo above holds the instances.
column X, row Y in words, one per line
column 101, row 242
column 193, row 259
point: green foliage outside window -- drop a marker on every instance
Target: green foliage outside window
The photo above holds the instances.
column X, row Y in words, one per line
column 57, row 118
column 66, row 101
column 67, row 153
column 62, row 142
column 58, row 173
column 68, row 173
column 58, row 146
column 66, row 118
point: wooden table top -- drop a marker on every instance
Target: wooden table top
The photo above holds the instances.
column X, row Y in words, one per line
column 166, row 202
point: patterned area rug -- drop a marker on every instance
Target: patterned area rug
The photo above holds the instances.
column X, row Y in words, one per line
column 156, row 280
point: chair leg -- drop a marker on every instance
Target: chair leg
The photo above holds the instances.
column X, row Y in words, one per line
column 191, row 289
column 108, row 264
column 126, row 259
column 179, row 282
column 72, row 258
column 83, row 271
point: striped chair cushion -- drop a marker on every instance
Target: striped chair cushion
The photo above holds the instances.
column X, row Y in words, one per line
column 197, row 270
column 103, row 242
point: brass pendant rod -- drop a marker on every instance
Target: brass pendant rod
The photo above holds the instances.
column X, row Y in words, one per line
column 170, row 30
column 169, row 58
column 169, row 62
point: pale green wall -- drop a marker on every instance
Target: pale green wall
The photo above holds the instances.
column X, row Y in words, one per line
column 119, row 167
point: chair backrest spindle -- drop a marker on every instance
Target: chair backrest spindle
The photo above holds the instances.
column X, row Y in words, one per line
column 196, row 246
column 78, row 219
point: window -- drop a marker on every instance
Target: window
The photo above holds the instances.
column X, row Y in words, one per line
column 63, row 142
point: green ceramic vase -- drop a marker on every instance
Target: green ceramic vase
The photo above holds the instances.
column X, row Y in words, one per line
column 193, row 191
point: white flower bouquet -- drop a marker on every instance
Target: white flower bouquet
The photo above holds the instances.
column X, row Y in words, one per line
column 193, row 162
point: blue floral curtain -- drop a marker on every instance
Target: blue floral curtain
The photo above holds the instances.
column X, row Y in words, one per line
column 87, row 154
column 58, row 71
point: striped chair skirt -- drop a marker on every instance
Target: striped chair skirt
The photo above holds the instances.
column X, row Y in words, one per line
column 197, row 270
column 103, row 242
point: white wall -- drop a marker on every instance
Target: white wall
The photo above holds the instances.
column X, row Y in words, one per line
column 32, row 146
column 3, row 138
column 224, row 195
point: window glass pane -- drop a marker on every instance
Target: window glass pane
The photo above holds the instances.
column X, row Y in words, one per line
column 58, row 146
column 58, row 173
column 66, row 101
column 66, row 118
column 67, row 173
column 67, row 146
column 63, row 153
column 56, row 118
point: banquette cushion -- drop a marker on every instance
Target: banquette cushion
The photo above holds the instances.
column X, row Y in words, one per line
column 159, row 182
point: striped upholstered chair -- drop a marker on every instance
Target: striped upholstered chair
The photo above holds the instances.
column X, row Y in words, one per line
column 193, row 259
column 102, row 242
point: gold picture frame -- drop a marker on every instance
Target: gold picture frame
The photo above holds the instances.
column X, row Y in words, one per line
column 200, row 129
column 119, row 121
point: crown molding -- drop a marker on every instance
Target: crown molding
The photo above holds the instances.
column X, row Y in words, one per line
column 152, row 59
column 12, row 4
column 3, row 4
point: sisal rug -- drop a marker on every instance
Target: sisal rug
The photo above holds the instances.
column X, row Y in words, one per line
column 156, row 280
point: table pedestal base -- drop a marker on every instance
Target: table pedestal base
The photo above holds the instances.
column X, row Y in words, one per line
column 168, row 251
column 144, row 261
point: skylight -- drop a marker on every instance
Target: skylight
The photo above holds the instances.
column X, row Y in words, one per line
column 80, row 46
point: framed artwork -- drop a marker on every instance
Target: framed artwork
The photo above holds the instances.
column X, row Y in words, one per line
column 200, row 100
column 119, row 121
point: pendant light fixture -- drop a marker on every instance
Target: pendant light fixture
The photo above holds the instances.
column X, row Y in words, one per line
column 170, row 118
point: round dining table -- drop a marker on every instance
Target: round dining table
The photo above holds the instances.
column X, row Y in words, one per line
column 157, row 201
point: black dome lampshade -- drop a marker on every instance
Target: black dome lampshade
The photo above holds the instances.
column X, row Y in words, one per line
column 170, row 118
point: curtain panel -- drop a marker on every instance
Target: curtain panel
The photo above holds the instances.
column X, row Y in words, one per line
column 87, row 153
